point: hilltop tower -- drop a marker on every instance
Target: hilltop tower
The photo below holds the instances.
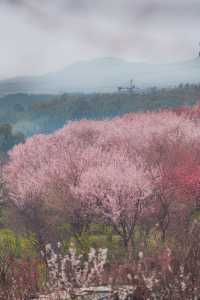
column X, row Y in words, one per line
column 127, row 89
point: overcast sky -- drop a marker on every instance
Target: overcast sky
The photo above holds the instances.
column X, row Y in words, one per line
column 38, row 36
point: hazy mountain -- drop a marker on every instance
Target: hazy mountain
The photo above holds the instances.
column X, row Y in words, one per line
column 105, row 75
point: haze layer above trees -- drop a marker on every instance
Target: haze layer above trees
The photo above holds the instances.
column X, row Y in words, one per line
column 105, row 75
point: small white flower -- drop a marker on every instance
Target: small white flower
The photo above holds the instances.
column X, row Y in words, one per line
column 48, row 247
column 183, row 286
column 141, row 255
column 129, row 276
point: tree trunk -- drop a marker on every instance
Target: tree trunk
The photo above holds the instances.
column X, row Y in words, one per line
column 129, row 248
column 163, row 236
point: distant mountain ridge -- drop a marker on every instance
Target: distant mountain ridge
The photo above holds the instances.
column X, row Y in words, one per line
column 105, row 75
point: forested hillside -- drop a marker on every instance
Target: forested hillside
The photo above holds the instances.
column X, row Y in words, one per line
column 30, row 114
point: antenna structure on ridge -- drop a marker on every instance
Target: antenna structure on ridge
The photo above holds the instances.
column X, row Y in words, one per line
column 127, row 89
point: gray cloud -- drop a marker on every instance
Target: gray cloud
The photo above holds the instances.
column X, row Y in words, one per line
column 38, row 36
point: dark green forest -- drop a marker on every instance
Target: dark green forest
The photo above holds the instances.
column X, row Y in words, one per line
column 31, row 114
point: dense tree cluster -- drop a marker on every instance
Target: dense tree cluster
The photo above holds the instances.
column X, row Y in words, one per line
column 33, row 114
column 130, row 184
column 131, row 170
column 8, row 139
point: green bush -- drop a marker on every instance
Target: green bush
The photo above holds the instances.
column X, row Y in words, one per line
column 12, row 245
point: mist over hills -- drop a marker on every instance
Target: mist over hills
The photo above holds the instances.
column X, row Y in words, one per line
column 104, row 75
